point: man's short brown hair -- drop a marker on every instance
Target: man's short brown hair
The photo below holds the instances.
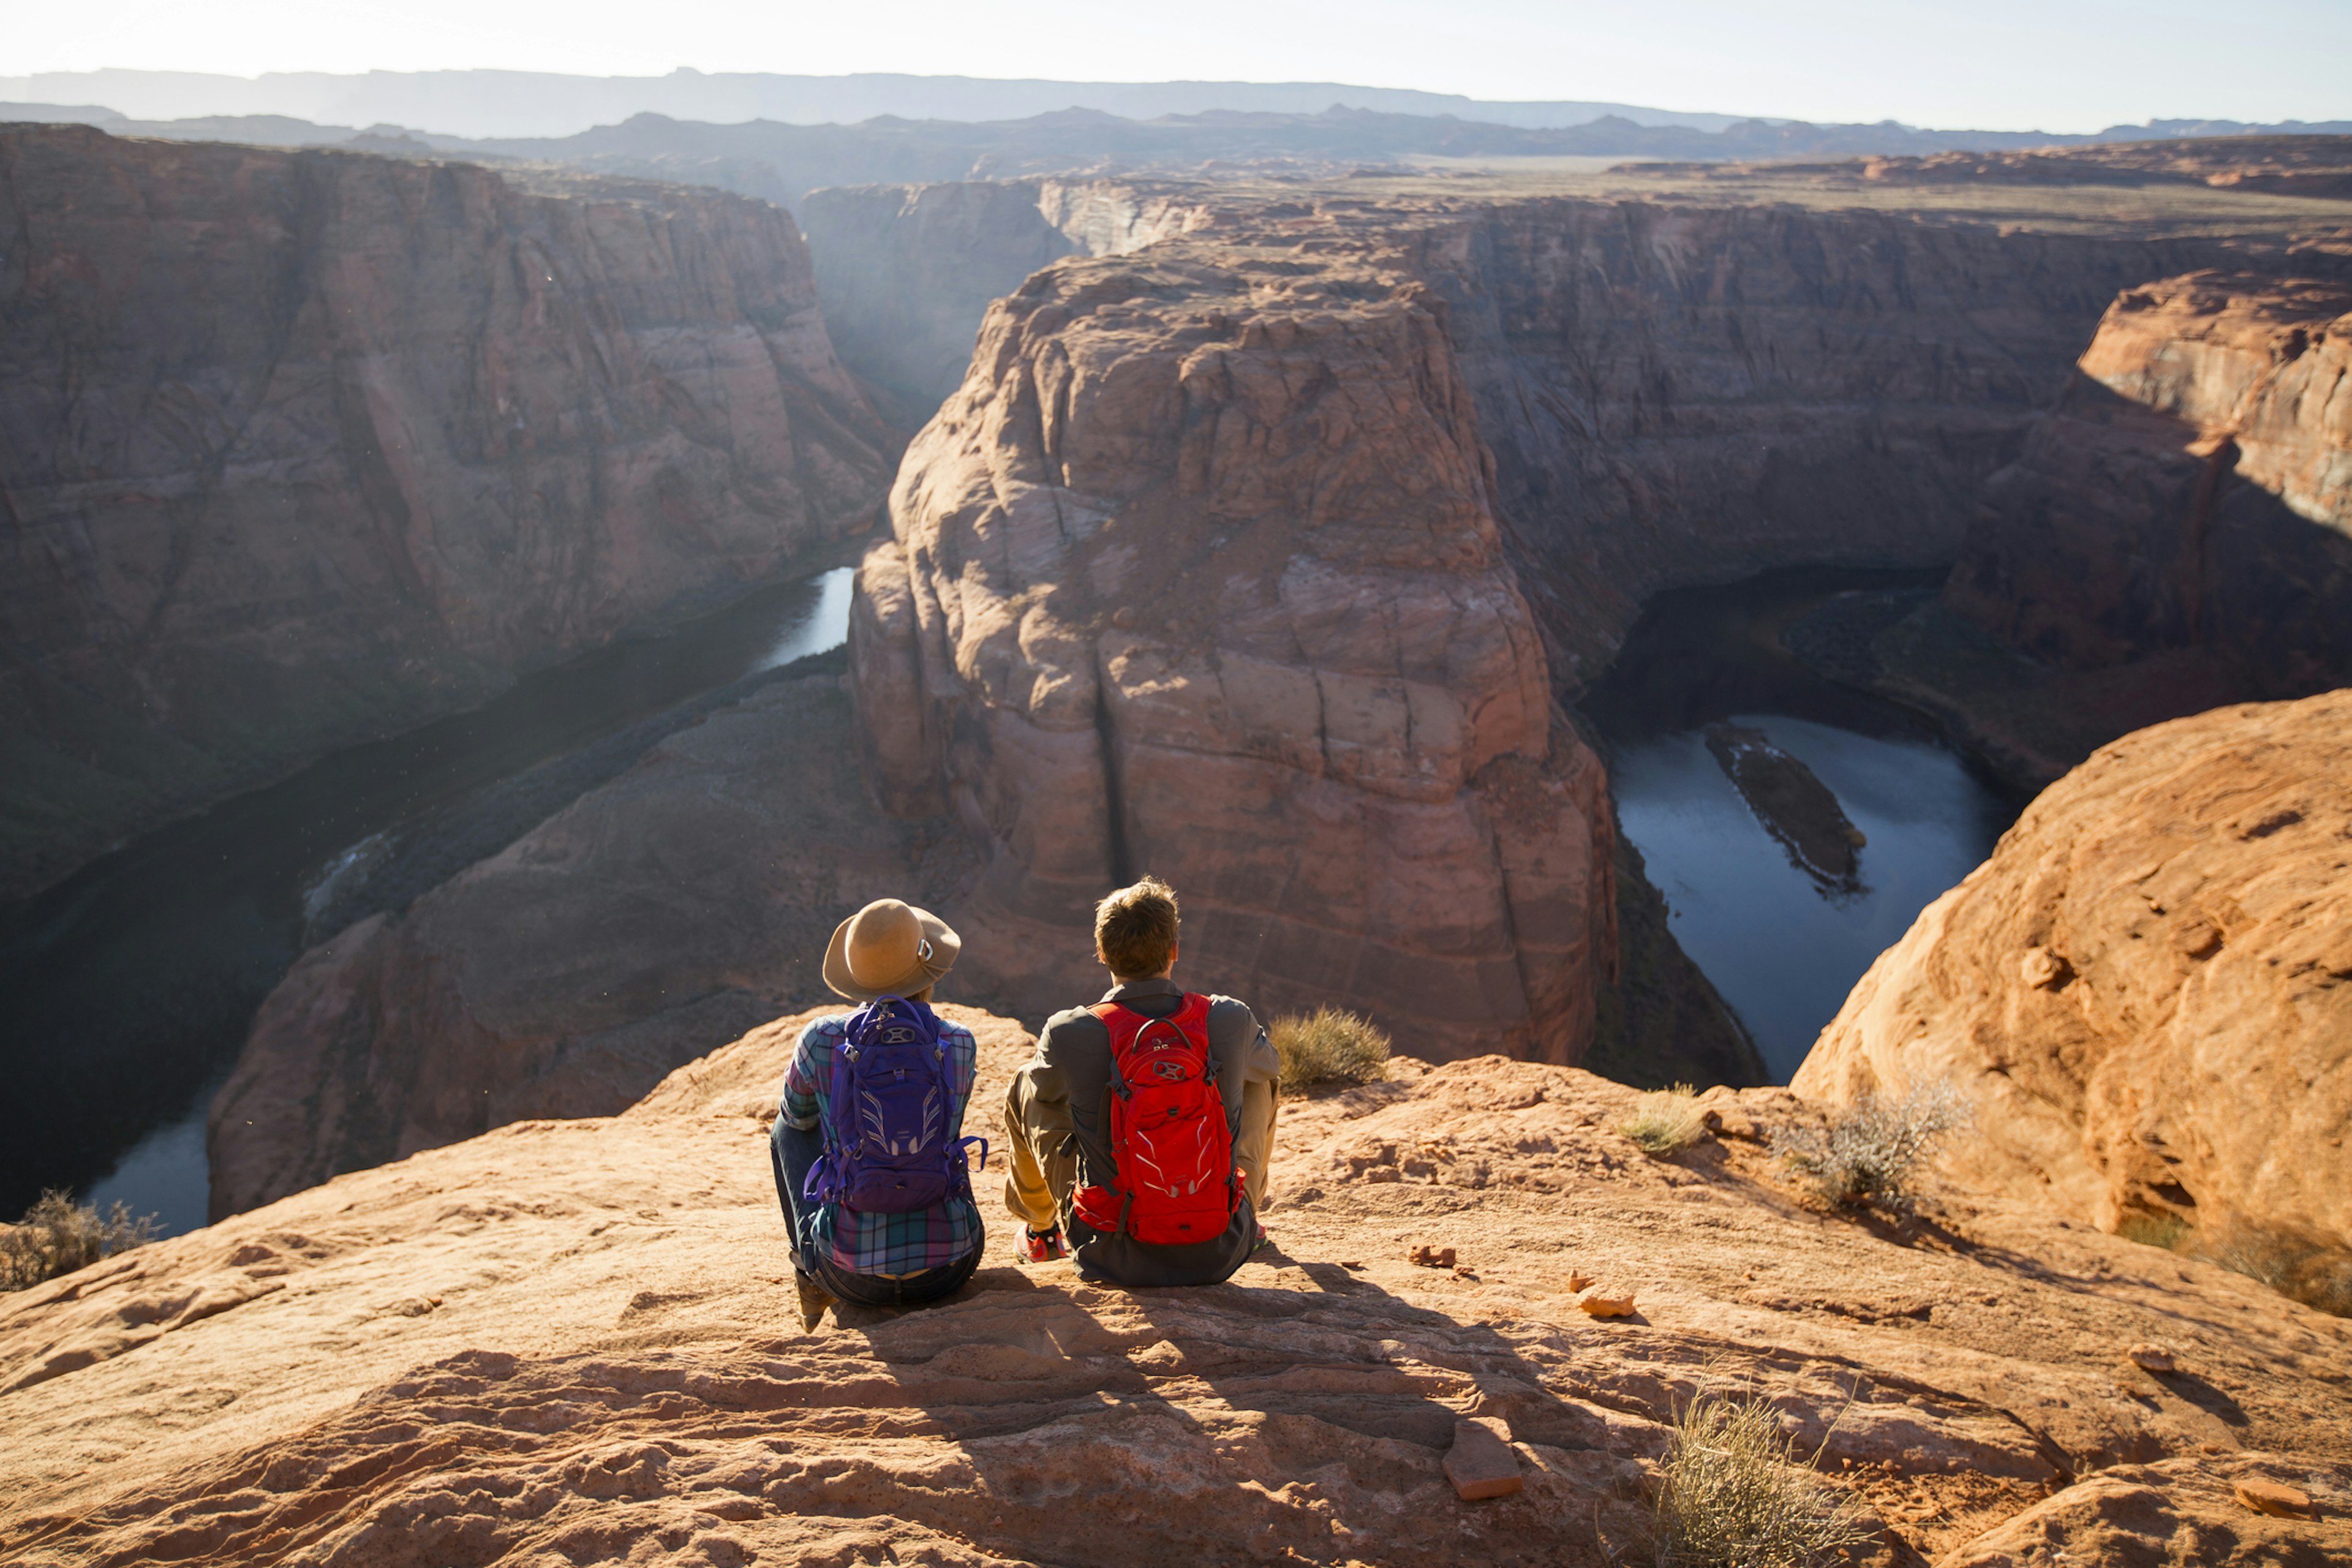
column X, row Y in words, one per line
column 1135, row 929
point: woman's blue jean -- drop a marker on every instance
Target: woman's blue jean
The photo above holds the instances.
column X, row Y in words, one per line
column 794, row 1151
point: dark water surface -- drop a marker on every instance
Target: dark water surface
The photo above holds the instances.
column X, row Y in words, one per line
column 1782, row 947
column 126, row 990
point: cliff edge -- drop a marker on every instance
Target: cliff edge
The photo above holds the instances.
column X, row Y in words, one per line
column 574, row 1340
column 2144, row 992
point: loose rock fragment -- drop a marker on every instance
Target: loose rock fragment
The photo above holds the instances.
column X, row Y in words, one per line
column 2150, row 1358
column 1600, row 1304
column 1579, row 1280
column 1481, row 1464
column 2262, row 1496
column 1431, row 1256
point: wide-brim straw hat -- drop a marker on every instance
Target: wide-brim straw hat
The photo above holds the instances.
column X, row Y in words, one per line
column 889, row 948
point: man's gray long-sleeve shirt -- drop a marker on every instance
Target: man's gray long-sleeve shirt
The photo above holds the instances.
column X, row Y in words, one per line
column 1072, row 1067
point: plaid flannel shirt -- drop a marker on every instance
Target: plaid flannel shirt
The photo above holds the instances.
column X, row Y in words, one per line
column 884, row 1244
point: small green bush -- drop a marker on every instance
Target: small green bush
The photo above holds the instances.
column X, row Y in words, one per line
column 2168, row 1231
column 1734, row 1494
column 1329, row 1046
column 1872, row 1150
column 1666, row 1122
column 58, row 1235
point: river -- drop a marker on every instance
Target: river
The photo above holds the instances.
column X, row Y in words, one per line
column 1783, row 946
column 129, row 987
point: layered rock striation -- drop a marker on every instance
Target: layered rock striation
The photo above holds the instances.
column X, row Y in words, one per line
column 2145, row 993
column 2189, row 495
column 1199, row 573
column 574, row 1340
column 299, row 447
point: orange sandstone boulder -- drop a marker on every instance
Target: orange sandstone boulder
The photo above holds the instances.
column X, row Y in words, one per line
column 2147, row 992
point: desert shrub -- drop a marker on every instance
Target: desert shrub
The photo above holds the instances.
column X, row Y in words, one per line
column 2168, row 1231
column 2296, row 1267
column 1872, row 1150
column 1329, row 1046
column 58, row 1235
column 1733, row 1493
column 1666, row 1122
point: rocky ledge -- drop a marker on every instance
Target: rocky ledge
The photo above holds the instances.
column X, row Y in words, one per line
column 573, row 1341
column 2145, row 993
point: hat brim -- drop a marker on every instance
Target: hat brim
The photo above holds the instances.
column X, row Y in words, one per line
column 927, row 972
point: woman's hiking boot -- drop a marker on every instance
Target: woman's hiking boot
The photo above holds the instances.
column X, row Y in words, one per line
column 1040, row 1246
column 815, row 1300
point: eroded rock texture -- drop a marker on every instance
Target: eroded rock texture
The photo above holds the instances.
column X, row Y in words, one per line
column 1198, row 573
column 2191, row 493
column 2145, row 993
column 569, row 1341
column 299, row 447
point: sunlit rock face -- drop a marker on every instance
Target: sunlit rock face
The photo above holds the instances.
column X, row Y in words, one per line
column 2144, row 991
column 1198, row 573
column 300, row 447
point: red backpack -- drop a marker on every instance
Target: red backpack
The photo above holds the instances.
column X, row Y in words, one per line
column 1176, row 1178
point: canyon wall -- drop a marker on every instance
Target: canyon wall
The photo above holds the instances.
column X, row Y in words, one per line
column 1199, row 573
column 1680, row 396
column 2191, row 493
column 296, row 448
column 2145, row 993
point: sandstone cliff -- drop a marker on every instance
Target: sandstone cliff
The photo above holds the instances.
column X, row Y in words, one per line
column 2191, row 494
column 1198, row 572
column 2144, row 993
column 572, row 1341
column 300, row 447
column 654, row 917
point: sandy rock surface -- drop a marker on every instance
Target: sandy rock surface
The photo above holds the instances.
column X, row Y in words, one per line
column 303, row 447
column 2144, row 993
column 574, row 1342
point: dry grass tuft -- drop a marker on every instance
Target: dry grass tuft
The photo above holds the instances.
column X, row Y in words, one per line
column 1734, row 1494
column 1872, row 1152
column 58, row 1235
column 1329, row 1046
column 1666, row 1122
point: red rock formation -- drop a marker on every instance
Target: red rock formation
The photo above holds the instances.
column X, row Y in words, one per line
column 1198, row 573
column 576, row 1339
column 2191, row 493
column 299, row 447
column 2144, row 992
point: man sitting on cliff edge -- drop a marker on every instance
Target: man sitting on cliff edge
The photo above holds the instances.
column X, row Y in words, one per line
column 1142, row 1127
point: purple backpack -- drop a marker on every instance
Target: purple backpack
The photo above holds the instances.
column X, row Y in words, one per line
column 887, row 1149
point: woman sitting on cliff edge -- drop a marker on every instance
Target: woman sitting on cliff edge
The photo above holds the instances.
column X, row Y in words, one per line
column 869, row 1146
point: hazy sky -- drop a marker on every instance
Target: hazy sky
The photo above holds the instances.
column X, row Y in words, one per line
column 2054, row 65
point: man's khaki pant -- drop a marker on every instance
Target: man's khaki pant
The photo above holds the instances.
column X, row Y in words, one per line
column 1046, row 1151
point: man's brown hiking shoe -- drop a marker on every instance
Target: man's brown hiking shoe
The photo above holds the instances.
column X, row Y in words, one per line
column 815, row 1300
